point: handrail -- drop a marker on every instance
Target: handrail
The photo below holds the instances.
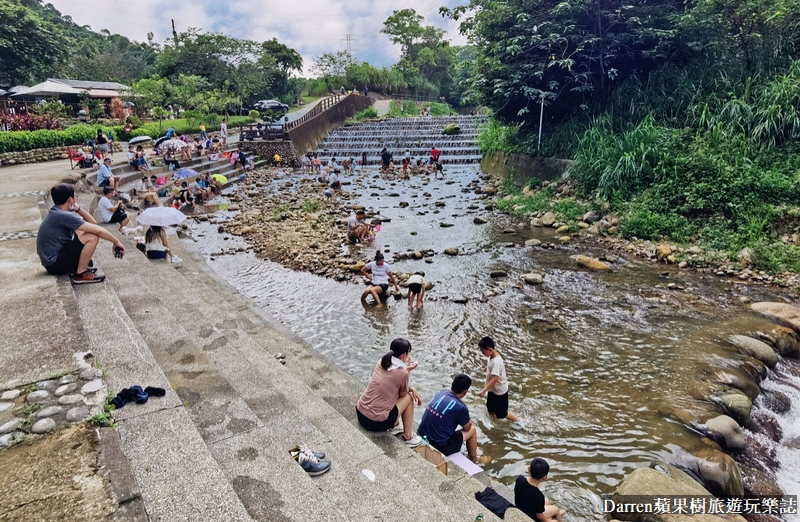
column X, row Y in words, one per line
column 319, row 108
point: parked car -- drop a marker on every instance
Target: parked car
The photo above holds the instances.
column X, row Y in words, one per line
column 271, row 105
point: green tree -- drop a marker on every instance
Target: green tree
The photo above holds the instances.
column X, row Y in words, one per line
column 150, row 92
column 30, row 45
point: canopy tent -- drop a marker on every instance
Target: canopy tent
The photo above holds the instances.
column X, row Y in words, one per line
column 47, row 88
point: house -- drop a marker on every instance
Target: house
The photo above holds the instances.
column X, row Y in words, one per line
column 70, row 92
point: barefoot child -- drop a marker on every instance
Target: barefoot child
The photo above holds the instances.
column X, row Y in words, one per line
column 530, row 500
column 496, row 382
column 416, row 288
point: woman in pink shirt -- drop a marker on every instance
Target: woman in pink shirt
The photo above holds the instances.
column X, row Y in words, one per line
column 388, row 395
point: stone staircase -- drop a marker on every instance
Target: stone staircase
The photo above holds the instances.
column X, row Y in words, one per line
column 216, row 447
column 417, row 135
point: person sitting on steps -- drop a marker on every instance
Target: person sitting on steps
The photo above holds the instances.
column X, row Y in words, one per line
column 156, row 245
column 530, row 500
column 388, row 397
column 68, row 237
column 105, row 178
column 112, row 212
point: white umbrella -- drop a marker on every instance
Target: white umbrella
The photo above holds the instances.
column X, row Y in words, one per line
column 161, row 217
column 185, row 173
column 48, row 88
column 139, row 139
column 174, row 144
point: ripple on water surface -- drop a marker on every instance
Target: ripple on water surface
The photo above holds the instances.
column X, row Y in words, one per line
column 595, row 360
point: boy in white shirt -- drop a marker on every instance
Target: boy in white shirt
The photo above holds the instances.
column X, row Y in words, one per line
column 496, row 382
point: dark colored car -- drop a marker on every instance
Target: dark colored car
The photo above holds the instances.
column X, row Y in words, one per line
column 271, row 105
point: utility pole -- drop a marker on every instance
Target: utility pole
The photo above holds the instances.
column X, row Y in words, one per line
column 347, row 41
column 174, row 32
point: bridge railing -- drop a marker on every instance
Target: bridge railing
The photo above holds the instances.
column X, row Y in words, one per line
column 319, row 108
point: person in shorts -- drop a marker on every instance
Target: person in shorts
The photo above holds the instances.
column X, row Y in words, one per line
column 333, row 179
column 444, row 414
column 496, row 388
column 388, row 397
column 112, row 212
column 379, row 275
column 68, row 238
column 357, row 228
column 105, row 178
column 416, row 288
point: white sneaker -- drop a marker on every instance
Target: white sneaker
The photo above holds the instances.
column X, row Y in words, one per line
column 413, row 442
column 397, row 430
column 176, row 259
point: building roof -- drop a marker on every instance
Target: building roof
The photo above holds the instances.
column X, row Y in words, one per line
column 86, row 85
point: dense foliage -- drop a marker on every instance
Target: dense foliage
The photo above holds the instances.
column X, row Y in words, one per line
column 682, row 117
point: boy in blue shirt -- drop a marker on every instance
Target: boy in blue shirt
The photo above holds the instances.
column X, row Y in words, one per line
column 445, row 413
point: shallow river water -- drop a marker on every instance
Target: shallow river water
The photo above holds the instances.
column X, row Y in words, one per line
column 594, row 360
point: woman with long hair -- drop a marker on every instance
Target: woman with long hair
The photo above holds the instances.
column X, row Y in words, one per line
column 388, row 396
column 156, row 245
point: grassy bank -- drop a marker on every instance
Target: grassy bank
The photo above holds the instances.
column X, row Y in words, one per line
column 726, row 178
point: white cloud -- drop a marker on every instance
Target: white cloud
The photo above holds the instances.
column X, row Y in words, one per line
column 311, row 27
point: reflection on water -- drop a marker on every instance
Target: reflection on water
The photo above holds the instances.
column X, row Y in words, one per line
column 594, row 360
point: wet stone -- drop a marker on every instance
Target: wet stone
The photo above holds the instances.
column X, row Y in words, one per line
column 9, row 395
column 5, row 406
column 38, row 396
column 77, row 414
column 67, row 379
column 43, row 426
column 46, row 385
column 65, row 389
column 10, row 426
column 92, row 386
column 67, row 400
column 90, row 374
column 6, row 440
column 49, row 411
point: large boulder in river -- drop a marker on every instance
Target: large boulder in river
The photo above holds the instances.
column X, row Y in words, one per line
column 786, row 341
column 737, row 405
column 739, row 380
column 715, row 470
column 783, row 313
column 755, row 348
column 590, row 263
column 660, row 480
column 662, row 251
column 548, row 219
column 726, row 432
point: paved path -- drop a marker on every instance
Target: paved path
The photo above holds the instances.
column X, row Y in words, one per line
column 383, row 106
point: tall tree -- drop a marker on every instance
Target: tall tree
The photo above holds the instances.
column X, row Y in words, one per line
column 30, row 45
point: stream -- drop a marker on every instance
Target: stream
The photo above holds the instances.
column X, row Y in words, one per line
column 595, row 361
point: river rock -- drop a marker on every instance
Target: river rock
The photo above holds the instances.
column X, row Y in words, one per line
column 403, row 204
column 43, row 426
column 563, row 229
column 10, row 426
column 760, row 483
column 498, row 273
column 49, row 411
column 786, row 341
column 9, row 395
column 662, row 251
column 68, row 400
column 661, row 481
column 417, row 255
column 533, row 242
column 717, row 471
column 38, row 396
column 739, row 380
column 612, row 231
column 89, row 374
column 92, row 386
column 777, row 401
column 451, row 251
column 357, row 267
column 583, row 225
column 536, row 222
column 564, row 239
column 593, row 230
column 480, row 220
column 590, row 263
column 68, row 379
column 77, row 414
column 738, row 406
column 533, row 278
column 784, row 313
column 755, row 348
column 590, row 217
column 65, row 389
column 548, row 219
column 726, row 432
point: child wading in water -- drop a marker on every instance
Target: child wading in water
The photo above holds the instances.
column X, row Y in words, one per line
column 416, row 288
column 530, row 500
column 496, row 382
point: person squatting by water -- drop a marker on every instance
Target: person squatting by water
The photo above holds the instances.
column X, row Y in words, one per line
column 378, row 274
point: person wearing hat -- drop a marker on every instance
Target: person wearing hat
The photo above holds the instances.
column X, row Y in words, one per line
column 105, row 178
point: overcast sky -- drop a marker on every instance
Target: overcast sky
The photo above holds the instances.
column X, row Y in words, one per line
column 311, row 27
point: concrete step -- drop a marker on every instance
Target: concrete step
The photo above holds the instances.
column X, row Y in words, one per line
column 340, row 392
column 167, row 455
column 316, row 421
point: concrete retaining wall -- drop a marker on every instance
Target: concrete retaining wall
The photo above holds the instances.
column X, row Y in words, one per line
column 40, row 155
column 268, row 149
column 521, row 167
column 307, row 135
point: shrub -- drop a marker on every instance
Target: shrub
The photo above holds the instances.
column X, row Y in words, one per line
column 254, row 115
column 369, row 112
column 451, row 129
column 16, row 141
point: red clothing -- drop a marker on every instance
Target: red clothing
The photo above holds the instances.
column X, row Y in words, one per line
column 435, row 154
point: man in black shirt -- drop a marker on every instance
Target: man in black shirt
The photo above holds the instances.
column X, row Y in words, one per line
column 530, row 500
